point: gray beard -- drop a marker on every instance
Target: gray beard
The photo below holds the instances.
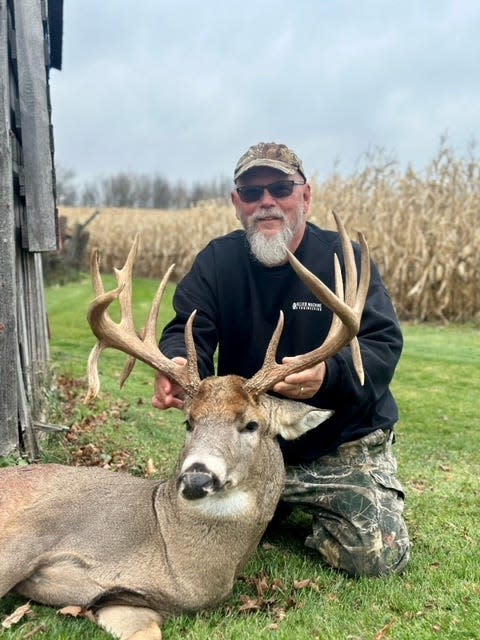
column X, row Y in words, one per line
column 272, row 251
column 269, row 251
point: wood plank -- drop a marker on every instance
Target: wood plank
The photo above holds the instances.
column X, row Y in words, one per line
column 9, row 436
column 39, row 229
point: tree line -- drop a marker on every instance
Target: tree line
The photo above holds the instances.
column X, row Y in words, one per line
column 132, row 190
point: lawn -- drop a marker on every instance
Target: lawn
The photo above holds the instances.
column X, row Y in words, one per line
column 284, row 593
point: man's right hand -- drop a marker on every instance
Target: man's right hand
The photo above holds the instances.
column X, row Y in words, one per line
column 167, row 394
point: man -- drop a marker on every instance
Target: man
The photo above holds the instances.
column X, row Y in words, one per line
column 344, row 471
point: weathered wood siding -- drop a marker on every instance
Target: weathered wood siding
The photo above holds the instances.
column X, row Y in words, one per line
column 8, row 295
column 27, row 219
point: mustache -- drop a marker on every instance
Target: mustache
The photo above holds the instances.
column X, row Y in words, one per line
column 267, row 215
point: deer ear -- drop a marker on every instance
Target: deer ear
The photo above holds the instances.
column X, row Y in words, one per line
column 291, row 419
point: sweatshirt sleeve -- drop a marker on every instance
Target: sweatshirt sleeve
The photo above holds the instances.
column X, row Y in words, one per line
column 195, row 292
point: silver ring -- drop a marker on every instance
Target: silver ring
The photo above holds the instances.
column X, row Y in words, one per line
column 301, row 390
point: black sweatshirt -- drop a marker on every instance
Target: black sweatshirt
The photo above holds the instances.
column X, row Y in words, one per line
column 238, row 302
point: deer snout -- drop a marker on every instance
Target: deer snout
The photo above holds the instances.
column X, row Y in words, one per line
column 197, row 482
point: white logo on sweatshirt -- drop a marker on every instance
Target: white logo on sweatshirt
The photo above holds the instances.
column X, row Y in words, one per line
column 307, row 306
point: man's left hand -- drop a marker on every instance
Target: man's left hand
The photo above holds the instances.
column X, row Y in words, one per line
column 303, row 385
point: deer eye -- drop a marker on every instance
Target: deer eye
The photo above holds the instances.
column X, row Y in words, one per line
column 250, row 427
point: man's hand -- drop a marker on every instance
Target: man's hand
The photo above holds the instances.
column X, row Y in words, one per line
column 303, row 385
column 166, row 393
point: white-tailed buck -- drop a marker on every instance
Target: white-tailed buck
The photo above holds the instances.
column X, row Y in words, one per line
column 136, row 551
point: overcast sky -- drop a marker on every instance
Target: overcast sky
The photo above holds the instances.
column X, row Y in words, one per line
column 181, row 88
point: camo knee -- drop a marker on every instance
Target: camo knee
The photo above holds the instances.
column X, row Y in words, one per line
column 357, row 506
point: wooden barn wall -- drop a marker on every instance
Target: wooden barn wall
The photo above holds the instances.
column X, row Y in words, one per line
column 28, row 220
column 9, row 436
column 38, row 227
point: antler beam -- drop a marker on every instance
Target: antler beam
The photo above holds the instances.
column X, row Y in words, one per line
column 123, row 335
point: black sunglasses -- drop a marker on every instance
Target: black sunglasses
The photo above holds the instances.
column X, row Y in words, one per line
column 279, row 189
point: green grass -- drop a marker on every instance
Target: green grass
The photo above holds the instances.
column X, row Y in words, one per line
column 438, row 439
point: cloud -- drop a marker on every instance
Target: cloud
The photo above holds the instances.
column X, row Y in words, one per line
column 182, row 89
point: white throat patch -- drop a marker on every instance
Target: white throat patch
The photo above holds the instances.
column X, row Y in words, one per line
column 225, row 504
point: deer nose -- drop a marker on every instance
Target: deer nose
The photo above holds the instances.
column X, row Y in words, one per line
column 197, row 482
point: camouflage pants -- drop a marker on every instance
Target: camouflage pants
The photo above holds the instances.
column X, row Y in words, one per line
column 357, row 504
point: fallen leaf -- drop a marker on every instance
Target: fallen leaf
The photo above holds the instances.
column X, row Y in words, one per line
column 384, row 630
column 71, row 610
column 249, row 604
column 278, row 585
column 305, row 584
column 17, row 615
column 77, row 612
column 280, row 614
column 150, row 469
column 262, row 586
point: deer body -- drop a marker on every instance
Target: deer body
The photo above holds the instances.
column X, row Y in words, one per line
column 122, row 539
column 93, row 538
column 137, row 551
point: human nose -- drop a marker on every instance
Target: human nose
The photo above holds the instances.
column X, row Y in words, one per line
column 266, row 199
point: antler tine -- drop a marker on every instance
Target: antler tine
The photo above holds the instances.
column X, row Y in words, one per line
column 148, row 333
column 347, row 305
column 192, row 360
column 97, row 282
column 122, row 335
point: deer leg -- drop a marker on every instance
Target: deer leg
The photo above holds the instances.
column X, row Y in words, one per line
column 12, row 567
column 130, row 623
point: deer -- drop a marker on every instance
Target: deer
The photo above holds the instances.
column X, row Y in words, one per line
column 136, row 551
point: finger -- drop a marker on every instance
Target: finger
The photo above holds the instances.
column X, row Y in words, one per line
column 314, row 375
column 167, row 402
column 176, row 403
column 157, row 403
column 298, row 378
column 287, row 390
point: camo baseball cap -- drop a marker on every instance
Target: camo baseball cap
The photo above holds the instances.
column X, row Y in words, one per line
column 269, row 154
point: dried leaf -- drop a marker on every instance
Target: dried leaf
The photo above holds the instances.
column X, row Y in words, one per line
column 71, row 610
column 77, row 612
column 150, row 469
column 249, row 604
column 280, row 614
column 17, row 615
column 305, row 584
column 262, row 586
column 384, row 630
column 278, row 585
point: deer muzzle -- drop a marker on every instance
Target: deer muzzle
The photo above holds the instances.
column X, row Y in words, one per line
column 197, row 482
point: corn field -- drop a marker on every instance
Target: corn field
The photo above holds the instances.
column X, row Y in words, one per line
column 423, row 230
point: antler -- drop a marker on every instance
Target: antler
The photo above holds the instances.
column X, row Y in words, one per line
column 123, row 335
column 347, row 308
